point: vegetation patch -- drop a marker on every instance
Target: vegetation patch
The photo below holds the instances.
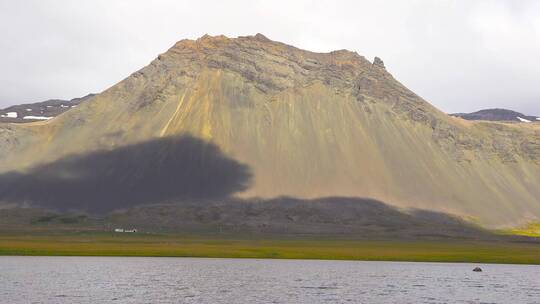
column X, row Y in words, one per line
column 532, row 230
column 57, row 218
column 218, row 246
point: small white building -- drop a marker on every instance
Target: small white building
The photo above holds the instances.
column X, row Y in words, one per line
column 125, row 230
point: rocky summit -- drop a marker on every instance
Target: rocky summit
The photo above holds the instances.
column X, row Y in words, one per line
column 285, row 122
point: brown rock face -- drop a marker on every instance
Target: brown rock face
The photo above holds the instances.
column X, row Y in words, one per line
column 308, row 125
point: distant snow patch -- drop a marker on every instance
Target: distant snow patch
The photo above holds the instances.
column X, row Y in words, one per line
column 29, row 110
column 37, row 117
column 523, row 119
column 537, row 118
column 10, row 115
column 64, row 106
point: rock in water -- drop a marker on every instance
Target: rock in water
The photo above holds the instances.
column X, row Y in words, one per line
column 477, row 269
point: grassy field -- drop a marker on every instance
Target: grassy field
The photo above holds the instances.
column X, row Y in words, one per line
column 532, row 230
column 117, row 244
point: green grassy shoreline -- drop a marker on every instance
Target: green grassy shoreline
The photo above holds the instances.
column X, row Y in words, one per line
column 165, row 245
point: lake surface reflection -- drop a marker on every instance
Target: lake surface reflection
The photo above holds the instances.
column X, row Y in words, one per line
column 194, row 280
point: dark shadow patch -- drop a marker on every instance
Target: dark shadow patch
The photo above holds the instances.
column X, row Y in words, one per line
column 155, row 171
column 345, row 216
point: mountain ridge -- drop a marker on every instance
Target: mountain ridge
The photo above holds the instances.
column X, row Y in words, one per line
column 44, row 110
column 497, row 114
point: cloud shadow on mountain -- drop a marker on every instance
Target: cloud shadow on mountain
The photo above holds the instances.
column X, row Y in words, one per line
column 159, row 170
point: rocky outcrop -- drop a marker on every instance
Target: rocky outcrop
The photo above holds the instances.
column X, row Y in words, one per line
column 378, row 62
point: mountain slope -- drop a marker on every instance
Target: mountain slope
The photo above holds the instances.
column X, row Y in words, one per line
column 308, row 125
column 497, row 115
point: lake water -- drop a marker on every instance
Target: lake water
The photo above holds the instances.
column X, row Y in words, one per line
column 192, row 280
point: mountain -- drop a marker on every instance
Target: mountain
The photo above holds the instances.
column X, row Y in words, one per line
column 497, row 115
column 289, row 122
column 44, row 110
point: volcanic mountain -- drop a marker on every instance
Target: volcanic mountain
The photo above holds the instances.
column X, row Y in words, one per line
column 278, row 121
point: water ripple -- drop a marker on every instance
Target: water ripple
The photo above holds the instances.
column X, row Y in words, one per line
column 186, row 280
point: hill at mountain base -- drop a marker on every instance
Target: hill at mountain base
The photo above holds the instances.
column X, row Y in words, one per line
column 498, row 115
column 304, row 124
column 37, row 111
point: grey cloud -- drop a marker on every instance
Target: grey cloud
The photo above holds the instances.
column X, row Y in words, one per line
column 458, row 55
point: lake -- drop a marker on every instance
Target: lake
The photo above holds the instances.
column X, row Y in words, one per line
column 199, row 280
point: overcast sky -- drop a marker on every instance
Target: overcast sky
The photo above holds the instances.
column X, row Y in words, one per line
column 459, row 55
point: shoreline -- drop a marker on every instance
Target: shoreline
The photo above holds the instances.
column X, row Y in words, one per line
column 248, row 258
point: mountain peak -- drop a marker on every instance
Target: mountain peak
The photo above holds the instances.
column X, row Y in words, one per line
column 271, row 66
column 207, row 37
column 261, row 37
column 213, row 41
